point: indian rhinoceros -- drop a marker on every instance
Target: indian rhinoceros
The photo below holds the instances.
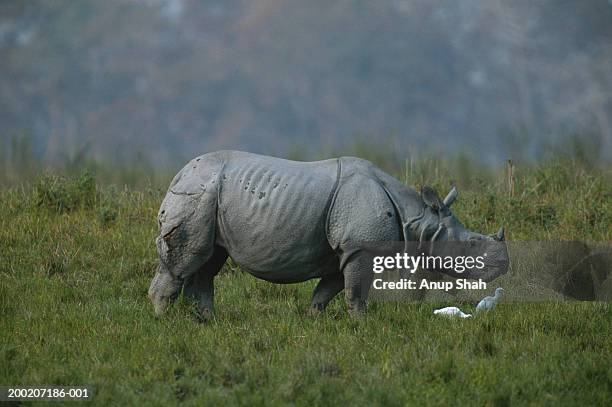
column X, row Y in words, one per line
column 287, row 221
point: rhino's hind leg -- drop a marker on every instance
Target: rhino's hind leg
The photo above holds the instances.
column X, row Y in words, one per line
column 327, row 288
column 200, row 285
column 357, row 273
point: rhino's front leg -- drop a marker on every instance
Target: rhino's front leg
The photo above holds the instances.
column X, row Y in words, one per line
column 325, row 291
column 200, row 286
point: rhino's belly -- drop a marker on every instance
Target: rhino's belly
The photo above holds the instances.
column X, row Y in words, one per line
column 281, row 256
column 272, row 219
column 293, row 273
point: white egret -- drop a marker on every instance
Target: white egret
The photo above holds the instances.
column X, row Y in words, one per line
column 452, row 312
column 488, row 302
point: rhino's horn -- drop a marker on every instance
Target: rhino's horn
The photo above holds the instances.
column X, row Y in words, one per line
column 500, row 236
column 450, row 198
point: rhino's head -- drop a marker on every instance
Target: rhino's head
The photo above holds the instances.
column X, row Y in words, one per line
column 178, row 247
column 176, row 262
column 442, row 234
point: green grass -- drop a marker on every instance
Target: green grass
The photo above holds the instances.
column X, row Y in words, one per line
column 76, row 260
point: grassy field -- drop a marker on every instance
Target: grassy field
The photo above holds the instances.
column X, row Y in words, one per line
column 76, row 260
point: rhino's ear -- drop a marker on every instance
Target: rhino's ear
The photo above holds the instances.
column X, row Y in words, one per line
column 430, row 197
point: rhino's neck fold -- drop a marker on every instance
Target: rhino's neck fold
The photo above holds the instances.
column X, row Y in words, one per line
column 422, row 227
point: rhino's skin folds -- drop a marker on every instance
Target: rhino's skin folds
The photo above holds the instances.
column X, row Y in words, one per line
column 287, row 221
column 271, row 216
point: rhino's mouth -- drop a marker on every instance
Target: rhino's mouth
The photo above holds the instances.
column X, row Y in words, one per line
column 160, row 305
column 164, row 289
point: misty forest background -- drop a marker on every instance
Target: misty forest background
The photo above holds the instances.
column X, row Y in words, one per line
column 140, row 86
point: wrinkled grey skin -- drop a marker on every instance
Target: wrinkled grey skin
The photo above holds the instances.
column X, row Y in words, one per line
column 286, row 222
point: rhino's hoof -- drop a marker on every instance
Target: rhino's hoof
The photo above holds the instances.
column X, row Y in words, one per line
column 206, row 314
column 357, row 310
column 315, row 310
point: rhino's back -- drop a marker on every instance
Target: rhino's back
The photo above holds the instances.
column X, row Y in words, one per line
column 272, row 214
